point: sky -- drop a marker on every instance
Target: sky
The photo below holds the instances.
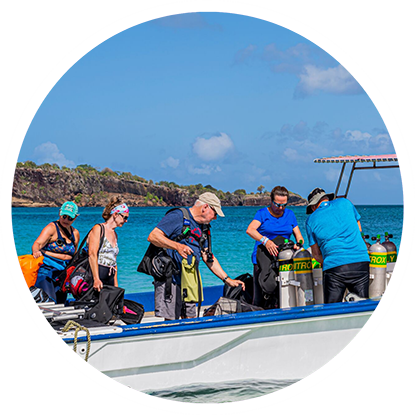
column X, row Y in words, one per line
column 218, row 99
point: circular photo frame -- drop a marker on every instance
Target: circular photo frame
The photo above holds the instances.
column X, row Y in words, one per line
column 34, row 62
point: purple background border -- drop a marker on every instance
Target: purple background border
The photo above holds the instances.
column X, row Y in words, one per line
column 27, row 345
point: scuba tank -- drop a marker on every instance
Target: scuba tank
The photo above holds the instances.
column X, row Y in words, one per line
column 318, row 281
column 391, row 256
column 303, row 270
column 287, row 284
column 367, row 243
column 377, row 268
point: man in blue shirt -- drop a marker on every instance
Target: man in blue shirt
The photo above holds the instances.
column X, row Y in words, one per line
column 205, row 209
column 334, row 234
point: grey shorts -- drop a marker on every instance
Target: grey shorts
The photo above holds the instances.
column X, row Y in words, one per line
column 171, row 308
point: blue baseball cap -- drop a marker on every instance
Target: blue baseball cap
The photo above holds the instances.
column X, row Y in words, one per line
column 70, row 209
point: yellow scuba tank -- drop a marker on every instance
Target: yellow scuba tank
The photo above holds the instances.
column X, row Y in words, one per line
column 303, row 270
column 377, row 268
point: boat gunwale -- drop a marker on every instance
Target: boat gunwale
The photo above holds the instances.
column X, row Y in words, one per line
column 247, row 318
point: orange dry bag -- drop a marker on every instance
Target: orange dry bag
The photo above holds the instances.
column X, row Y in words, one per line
column 30, row 266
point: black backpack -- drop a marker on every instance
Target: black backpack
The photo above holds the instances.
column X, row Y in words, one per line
column 236, row 293
column 102, row 306
column 79, row 266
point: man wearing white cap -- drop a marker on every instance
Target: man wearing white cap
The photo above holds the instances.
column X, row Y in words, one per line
column 186, row 252
column 334, row 235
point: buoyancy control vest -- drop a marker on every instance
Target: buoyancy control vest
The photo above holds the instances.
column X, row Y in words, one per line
column 161, row 266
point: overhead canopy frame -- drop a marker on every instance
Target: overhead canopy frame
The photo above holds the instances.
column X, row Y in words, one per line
column 358, row 159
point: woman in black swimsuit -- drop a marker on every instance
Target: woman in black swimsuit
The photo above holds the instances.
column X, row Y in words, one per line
column 57, row 242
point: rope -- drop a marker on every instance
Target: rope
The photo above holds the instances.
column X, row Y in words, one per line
column 71, row 324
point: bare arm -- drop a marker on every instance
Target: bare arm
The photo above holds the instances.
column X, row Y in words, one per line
column 45, row 237
column 315, row 250
column 93, row 247
column 216, row 268
column 252, row 231
column 158, row 238
column 77, row 237
column 360, row 226
column 297, row 235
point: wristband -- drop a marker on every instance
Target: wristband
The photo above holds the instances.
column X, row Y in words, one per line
column 264, row 240
column 225, row 278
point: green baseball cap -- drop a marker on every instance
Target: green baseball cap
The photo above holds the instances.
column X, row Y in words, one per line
column 70, row 209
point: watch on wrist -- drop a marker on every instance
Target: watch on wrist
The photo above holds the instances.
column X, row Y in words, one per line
column 225, row 278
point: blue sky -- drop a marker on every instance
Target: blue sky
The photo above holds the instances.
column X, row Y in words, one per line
column 214, row 98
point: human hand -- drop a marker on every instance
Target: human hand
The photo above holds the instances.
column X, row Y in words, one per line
column 271, row 247
column 234, row 283
column 98, row 285
column 37, row 254
column 184, row 250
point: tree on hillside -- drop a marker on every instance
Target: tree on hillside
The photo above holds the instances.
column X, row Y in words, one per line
column 260, row 188
column 240, row 192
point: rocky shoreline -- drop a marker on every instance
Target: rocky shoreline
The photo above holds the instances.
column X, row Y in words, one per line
column 50, row 187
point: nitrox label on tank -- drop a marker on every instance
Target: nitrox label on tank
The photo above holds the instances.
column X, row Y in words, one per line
column 391, row 256
column 302, row 265
column 286, row 267
column 378, row 259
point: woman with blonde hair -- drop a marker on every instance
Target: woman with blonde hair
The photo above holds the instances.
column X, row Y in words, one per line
column 103, row 260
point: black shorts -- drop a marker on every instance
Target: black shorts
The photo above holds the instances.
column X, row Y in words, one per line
column 354, row 277
column 106, row 274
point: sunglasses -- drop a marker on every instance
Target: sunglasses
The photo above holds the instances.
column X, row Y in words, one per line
column 125, row 217
column 67, row 217
column 213, row 210
column 280, row 204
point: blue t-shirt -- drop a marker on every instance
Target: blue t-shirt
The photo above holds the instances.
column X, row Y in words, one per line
column 333, row 226
column 172, row 226
column 272, row 227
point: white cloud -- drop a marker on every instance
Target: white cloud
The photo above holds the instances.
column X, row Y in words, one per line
column 244, row 54
column 170, row 162
column 332, row 80
column 293, row 155
column 49, row 153
column 380, row 142
column 213, row 148
column 204, row 169
column 357, row 135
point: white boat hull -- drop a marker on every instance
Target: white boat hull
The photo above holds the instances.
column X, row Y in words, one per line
column 278, row 345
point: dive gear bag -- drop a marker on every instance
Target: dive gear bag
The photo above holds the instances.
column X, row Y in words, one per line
column 77, row 276
column 102, row 306
column 237, row 293
column 229, row 306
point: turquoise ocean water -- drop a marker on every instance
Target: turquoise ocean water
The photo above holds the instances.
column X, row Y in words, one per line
column 230, row 244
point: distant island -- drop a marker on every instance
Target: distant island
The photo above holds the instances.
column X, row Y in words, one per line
column 49, row 185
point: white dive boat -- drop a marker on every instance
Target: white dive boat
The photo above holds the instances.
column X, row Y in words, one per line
column 279, row 344
column 276, row 344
